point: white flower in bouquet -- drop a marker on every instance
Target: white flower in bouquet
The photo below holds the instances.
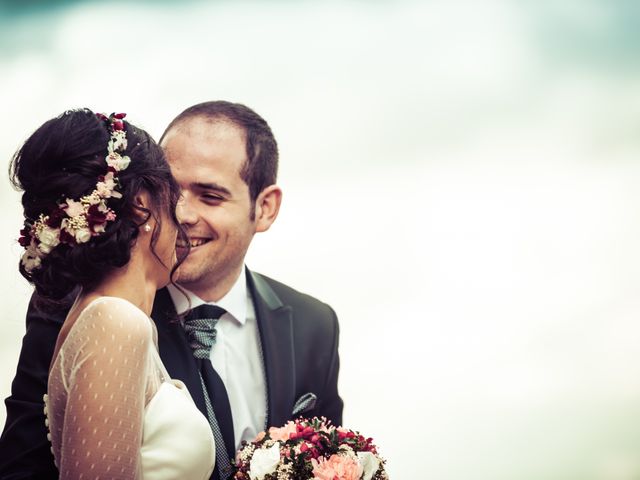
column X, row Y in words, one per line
column 264, row 461
column 369, row 463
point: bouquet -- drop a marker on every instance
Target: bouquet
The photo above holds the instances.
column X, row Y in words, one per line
column 309, row 449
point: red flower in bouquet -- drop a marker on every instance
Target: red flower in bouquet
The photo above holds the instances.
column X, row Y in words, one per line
column 309, row 449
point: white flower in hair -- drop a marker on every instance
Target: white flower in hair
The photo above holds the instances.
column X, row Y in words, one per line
column 118, row 141
column 106, row 187
column 83, row 235
column 31, row 258
column 117, row 161
column 49, row 238
column 93, row 199
column 74, row 208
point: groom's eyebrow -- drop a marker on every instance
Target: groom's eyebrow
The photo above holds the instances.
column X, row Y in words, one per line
column 211, row 186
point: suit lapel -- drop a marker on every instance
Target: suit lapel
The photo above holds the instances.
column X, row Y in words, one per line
column 276, row 334
column 175, row 352
column 275, row 323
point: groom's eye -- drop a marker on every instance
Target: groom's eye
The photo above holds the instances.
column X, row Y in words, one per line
column 210, row 198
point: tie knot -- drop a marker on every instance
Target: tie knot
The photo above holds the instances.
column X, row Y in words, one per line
column 199, row 325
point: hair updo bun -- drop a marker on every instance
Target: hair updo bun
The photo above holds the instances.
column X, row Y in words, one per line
column 63, row 159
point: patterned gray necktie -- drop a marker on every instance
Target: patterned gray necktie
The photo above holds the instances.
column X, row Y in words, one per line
column 201, row 333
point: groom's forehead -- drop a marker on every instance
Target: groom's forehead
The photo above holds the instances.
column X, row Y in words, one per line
column 207, row 127
column 206, row 137
column 199, row 163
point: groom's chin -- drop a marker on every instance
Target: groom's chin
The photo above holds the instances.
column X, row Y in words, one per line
column 188, row 272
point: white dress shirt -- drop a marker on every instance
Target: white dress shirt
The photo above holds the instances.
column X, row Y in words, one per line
column 236, row 356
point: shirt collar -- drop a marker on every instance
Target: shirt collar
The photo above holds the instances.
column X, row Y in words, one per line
column 234, row 302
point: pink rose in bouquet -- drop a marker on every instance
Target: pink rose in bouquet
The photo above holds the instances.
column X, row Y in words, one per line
column 282, row 434
column 309, row 449
column 337, row 466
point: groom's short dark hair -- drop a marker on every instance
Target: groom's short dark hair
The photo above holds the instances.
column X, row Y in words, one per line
column 261, row 168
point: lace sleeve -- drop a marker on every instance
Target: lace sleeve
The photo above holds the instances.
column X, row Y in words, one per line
column 97, row 400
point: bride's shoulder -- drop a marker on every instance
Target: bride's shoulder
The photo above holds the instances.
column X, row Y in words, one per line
column 115, row 316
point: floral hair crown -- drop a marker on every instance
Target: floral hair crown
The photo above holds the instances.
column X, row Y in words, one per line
column 73, row 222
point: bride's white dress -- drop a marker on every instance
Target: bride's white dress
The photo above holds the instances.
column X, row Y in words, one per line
column 113, row 411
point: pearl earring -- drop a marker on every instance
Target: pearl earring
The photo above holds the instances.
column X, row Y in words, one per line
column 147, row 228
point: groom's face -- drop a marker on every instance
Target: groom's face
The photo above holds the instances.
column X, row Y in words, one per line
column 206, row 158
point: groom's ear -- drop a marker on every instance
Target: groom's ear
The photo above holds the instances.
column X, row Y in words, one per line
column 267, row 206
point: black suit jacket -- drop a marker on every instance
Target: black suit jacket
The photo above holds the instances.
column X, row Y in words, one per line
column 299, row 338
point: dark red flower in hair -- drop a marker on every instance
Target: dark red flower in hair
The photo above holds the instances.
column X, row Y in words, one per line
column 95, row 217
column 55, row 218
column 25, row 237
column 66, row 237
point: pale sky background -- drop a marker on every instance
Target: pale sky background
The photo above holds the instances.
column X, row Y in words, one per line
column 461, row 185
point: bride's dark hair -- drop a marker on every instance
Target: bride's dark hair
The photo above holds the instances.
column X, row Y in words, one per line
column 63, row 159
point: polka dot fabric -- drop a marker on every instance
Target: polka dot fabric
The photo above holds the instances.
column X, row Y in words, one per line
column 105, row 374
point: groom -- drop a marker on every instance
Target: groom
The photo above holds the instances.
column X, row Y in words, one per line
column 276, row 350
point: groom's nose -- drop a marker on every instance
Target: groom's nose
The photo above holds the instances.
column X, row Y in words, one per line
column 185, row 212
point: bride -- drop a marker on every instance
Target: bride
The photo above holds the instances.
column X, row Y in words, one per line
column 100, row 218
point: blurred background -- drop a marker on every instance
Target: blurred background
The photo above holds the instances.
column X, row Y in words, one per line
column 461, row 185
